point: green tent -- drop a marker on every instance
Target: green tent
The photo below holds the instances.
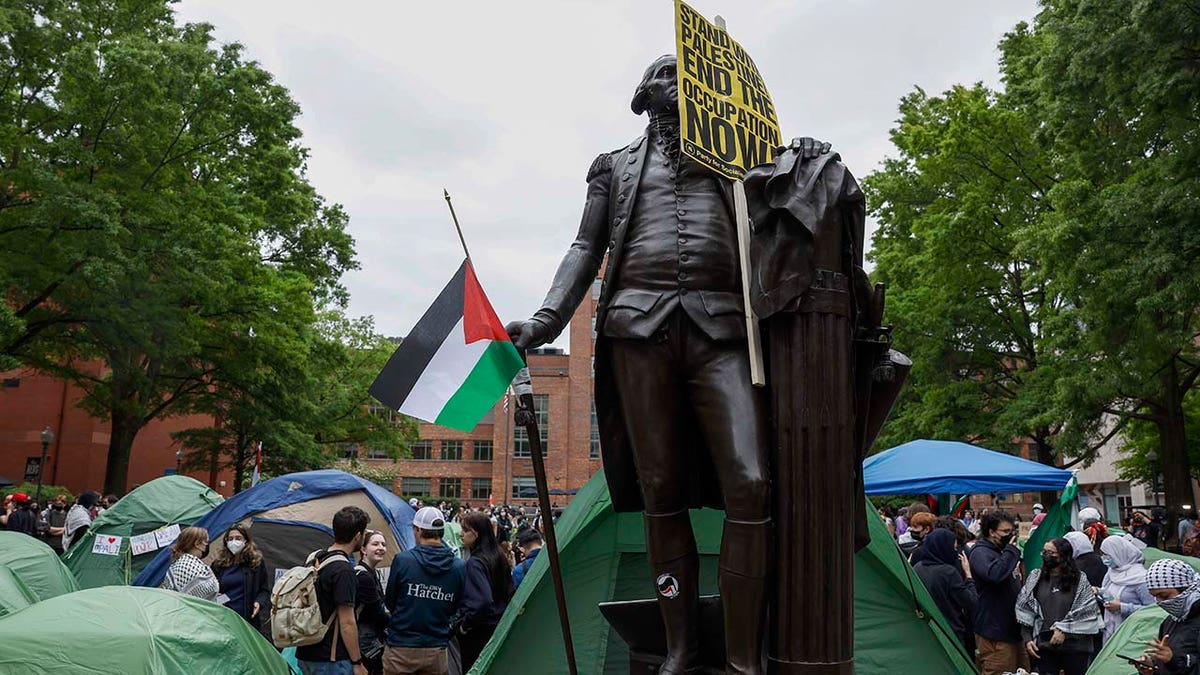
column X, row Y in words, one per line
column 133, row 631
column 1130, row 640
column 1152, row 554
column 170, row 500
column 604, row 558
column 35, row 565
column 14, row 594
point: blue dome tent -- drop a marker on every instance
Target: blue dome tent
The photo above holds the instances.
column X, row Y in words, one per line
column 290, row 516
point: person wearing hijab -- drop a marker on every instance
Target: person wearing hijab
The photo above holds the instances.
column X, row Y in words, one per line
column 1087, row 560
column 947, row 577
column 1176, row 589
column 1058, row 613
column 1124, row 590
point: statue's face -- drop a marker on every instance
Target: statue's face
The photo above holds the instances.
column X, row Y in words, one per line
column 662, row 88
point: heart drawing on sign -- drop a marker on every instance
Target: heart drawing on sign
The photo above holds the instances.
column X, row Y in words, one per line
column 111, row 539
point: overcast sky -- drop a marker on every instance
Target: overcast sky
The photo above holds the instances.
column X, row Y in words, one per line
column 506, row 104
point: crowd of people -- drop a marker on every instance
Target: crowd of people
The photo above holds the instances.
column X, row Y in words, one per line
column 59, row 522
column 433, row 613
column 1053, row 619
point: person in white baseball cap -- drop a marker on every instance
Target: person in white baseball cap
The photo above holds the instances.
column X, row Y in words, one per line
column 424, row 592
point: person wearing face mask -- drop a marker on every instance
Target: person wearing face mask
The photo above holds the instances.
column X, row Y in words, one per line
column 919, row 527
column 242, row 575
column 369, row 607
column 188, row 574
column 1176, row 589
column 1058, row 614
column 1124, row 590
column 55, row 518
column 994, row 560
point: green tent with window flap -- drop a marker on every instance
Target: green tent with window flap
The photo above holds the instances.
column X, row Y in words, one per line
column 898, row 629
column 34, row 564
column 133, row 631
column 170, row 500
column 14, row 594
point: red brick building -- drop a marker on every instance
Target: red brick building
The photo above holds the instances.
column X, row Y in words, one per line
column 493, row 461
column 77, row 457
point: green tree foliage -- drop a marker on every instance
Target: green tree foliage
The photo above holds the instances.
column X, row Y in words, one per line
column 154, row 211
column 306, row 401
column 1116, row 88
column 969, row 182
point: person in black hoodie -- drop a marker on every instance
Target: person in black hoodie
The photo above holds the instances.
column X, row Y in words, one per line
column 424, row 592
column 489, row 585
column 369, row 607
column 947, row 576
column 1176, row 588
column 994, row 560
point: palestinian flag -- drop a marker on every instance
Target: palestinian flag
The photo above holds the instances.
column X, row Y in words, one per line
column 455, row 364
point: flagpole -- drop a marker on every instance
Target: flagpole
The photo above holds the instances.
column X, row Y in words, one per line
column 457, row 228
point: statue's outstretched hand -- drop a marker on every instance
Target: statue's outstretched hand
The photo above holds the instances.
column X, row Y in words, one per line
column 807, row 147
column 528, row 334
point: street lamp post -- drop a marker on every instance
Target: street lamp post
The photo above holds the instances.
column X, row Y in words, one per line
column 178, row 459
column 47, row 439
column 1152, row 457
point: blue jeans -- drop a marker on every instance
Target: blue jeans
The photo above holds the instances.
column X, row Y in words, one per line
column 326, row 667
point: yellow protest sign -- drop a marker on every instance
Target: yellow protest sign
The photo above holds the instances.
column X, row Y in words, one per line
column 727, row 119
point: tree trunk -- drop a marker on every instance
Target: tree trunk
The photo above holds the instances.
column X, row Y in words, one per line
column 124, row 429
column 1043, row 453
column 239, row 462
column 1173, row 461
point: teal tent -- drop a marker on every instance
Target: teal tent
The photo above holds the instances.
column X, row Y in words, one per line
column 170, row 500
column 1130, row 639
column 133, row 631
column 604, row 558
column 34, row 564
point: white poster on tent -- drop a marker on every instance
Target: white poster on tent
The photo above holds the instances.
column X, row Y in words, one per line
column 107, row 544
column 143, row 543
column 165, row 536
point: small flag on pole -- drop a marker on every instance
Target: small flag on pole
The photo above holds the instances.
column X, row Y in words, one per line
column 456, row 362
column 257, row 466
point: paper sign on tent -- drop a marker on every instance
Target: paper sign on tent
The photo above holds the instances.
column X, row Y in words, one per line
column 165, row 536
column 107, row 544
column 143, row 543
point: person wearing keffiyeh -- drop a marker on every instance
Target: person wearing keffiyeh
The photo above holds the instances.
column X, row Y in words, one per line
column 1176, row 588
column 1058, row 613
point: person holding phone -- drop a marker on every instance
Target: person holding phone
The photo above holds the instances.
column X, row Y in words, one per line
column 1176, row 588
column 1058, row 613
column 994, row 564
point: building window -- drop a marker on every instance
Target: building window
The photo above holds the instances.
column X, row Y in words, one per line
column 450, row 487
column 597, row 285
column 348, row 450
column 377, row 453
column 12, row 382
column 452, row 450
column 594, row 440
column 541, row 409
column 523, row 487
column 382, row 412
column 481, row 488
column 414, row 487
column 483, row 451
column 421, row 450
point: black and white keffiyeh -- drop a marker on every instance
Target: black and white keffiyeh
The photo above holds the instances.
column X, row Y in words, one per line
column 1169, row 573
column 1082, row 619
column 190, row 576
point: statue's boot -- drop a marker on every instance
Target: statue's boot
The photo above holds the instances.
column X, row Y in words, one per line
column 676, row 565
column 742, row 578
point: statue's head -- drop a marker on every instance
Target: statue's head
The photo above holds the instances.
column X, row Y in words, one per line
column 658, row 91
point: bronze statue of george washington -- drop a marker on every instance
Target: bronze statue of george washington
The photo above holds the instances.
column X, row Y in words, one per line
column 681, row 425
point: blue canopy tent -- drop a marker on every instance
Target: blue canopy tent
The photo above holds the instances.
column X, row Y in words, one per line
column 952, row 467
column 290, row 516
